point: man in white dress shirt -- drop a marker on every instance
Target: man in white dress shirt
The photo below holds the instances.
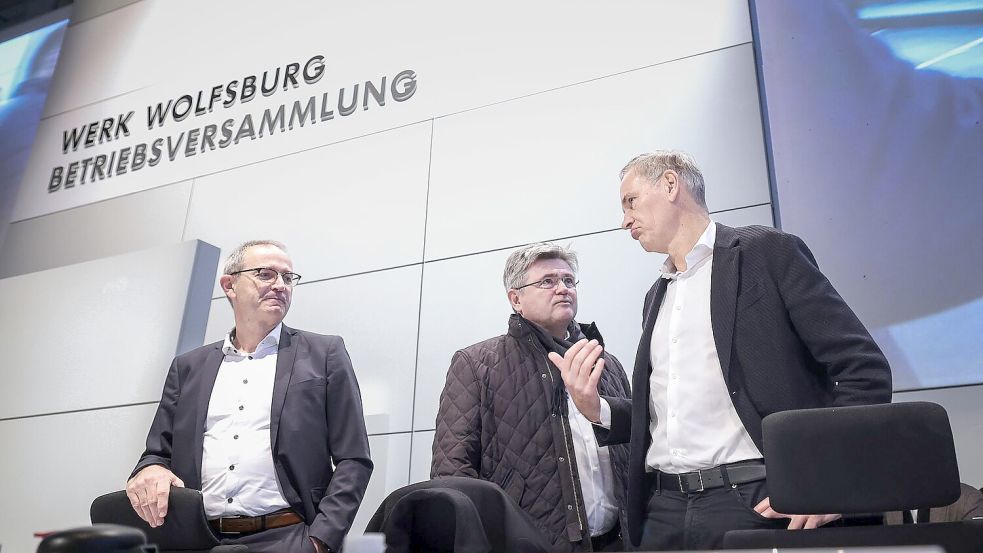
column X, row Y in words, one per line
column 257, row 420
column 505, row 416
column 740, row 324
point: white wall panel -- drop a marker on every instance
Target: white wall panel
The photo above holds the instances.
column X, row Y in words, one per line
column 129, row 59
column 493, row 54
column 138, row 221
column 463, row 302
column 376, row 314
column 103, row 332
column 391, row 457
column 347, row 208
column 421, row 457
column 548, row 164
column 757, row 215
column 55, row 465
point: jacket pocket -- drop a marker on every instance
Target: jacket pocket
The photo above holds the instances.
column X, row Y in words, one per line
column 749, row 296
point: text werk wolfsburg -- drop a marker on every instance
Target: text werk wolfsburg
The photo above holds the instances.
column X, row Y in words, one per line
column 206, row 138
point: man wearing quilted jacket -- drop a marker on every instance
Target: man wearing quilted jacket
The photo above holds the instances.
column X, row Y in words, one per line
column 505, row 415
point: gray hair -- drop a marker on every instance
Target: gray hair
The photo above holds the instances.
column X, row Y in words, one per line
column 233, row 263
column 653, row 165
column 521, row 259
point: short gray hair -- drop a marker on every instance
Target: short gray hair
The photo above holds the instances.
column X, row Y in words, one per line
column 521, row 259
column 233, row 263
column 653, row 165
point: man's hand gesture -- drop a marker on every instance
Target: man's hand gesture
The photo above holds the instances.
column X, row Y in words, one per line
column 581, row 369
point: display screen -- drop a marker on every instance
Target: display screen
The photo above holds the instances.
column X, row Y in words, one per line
column 27, row 63
column 875, row 130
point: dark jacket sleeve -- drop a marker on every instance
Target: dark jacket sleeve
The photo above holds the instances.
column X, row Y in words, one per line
column 857, row 369
column 457, row 441
column 620, row 404
column 160, row 437
column 349, row 444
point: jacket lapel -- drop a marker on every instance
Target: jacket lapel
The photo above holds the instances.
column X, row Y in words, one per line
column 286, row 353
column 724, row 284
column 209, row 372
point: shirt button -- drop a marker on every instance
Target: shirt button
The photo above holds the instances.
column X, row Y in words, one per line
column 241, row 407
column 673, row 414
column 232, row 467
column 569, row 507
column 544, row 375
column 245, row 381
column 561, row 459
column 675, row 376
column 674, row 340
column 229, row 500
column 679, row 308
column 236, row 437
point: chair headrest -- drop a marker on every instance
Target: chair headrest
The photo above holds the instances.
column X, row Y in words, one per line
column 860, row 459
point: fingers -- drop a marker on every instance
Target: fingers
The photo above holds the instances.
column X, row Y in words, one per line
column 137, row 505
column 595, row 375
column 149, row 493
column 162, row 494
column 797, row 522
column 764, row 509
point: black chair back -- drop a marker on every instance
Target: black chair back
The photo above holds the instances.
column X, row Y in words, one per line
column 185, row 527
column 860, row 459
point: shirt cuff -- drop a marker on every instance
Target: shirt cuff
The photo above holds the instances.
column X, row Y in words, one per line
column 605, row 415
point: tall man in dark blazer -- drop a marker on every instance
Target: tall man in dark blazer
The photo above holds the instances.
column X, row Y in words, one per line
column 740, row 324
column 257, row 420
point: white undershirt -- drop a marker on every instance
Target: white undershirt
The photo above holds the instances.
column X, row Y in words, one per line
column 693, row 422
column 237, row 472
column 594, row 469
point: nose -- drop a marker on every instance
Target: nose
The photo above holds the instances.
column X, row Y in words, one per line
column 626, row 222
column 278, row 282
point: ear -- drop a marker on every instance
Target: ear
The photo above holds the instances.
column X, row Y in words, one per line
column 515, row 301
column 672, row 184
column 225, row 281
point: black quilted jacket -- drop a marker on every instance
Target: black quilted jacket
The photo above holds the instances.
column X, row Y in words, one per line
column 496, row 422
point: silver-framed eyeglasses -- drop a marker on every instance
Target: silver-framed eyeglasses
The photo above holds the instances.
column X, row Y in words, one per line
column 268, row 275
column 552, row 281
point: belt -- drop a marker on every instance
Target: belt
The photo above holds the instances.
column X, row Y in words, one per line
column 707, row 479
column 247, row 525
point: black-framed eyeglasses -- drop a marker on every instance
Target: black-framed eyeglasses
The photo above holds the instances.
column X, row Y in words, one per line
column 268, row 275
column 551, row 282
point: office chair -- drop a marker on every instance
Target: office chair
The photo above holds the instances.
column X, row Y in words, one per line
column 861, row 460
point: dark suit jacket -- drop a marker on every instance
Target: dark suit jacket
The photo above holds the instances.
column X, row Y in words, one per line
column 316, row 420
column 786, row 340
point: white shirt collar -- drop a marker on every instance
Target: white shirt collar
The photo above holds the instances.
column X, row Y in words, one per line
column 701, row 251
column 271, row 340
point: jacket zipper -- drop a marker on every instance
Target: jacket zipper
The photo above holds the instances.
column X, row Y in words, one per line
column 570, row 459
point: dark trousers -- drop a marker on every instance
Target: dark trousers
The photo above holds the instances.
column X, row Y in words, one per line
column 290, row 539
column 675, row 520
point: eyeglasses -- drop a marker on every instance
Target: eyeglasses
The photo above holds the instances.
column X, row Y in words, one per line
column 268, row 275
column 551, row 282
